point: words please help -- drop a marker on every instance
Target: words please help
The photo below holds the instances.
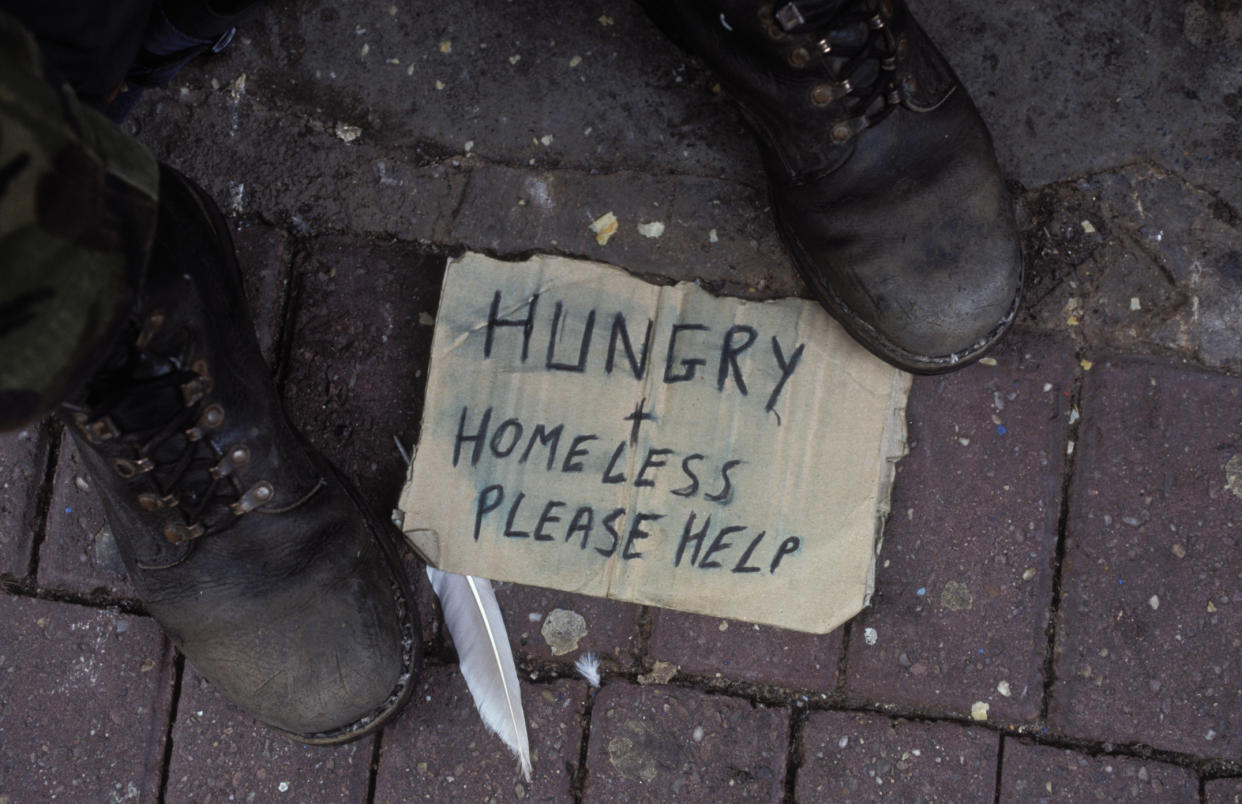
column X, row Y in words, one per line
column 587, row 431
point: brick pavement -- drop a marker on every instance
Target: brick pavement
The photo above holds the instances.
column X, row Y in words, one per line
column 1057, row 608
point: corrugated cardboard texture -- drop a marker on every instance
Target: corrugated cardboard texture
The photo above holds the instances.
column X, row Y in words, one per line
column 588, row 431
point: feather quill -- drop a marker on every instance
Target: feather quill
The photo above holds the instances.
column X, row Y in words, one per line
column 485, row 657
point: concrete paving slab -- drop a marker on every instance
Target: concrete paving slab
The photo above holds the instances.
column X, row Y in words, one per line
column 662, row 743
column 1070, row 86
column 1044, row 773
column 79, row 552
column 1136, row 260
column 1223, row 791
column 739, row 651
column 22, row 457
column 222, row 754
column 84, row 702
column 848, row 757
column 1149, row 631
column 550, row 625
column 439, row 750
column 966, row 569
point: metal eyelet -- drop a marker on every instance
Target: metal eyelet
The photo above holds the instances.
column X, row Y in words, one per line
column 97, row 431
column 128, row 469
column 876, row 23
column 233, row 459
column 149, row 328
column 824, row 45
column 177, row 533
column 260, row 493
column 154, row 502
column 799, row 57
column 789, row 16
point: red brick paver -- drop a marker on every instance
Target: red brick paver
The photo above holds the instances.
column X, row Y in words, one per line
column 21, row 471
column 221, row 754
column 739, row 651
column 84, row 701
column 78, row 553
column 1223, row 791
column 438, row 749
column 965, row 581
column 850, row 757
column 1151, row 609
column 657, row 744
column 611, row 628
column 1044, row 773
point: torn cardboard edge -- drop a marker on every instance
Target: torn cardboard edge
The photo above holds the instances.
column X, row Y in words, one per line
column 587, row 431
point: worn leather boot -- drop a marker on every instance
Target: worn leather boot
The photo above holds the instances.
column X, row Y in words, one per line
column 260, row 561
column 881, row 172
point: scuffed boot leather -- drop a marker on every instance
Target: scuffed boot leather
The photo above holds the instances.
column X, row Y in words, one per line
column 260, row 562
column 882, row 175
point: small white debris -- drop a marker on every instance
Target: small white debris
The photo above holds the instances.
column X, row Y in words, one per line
column 712, row 237
column 965, row 442
column 987, row 361
column 1003, row 688
column 979, row 710
column 1088, row 227
column 446, row 47
column 1135, row 304
column 724, row 22
column 514, row 59
column 606, row 20
column 346, row 132
column 81, row 483
column 1028, row 574
column 283, row 787
column 1074, row 416
column 469, row 146
column 575, row 61
column 546, row 140
column 870, row 635
column 1154, row 602
column 697, row 734
column 653, row 229
column 1047, row 387
column 440, row 84
column 605, row 226
column 587, row 666
column 844, row 741
column 365, row 50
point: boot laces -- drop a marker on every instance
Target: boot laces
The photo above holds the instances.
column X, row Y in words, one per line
column 857, row 44
column 152, row 414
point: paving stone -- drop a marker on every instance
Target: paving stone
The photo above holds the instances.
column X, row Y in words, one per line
column 1151, row 605
column 79, row 553
column 357, row 368
column 263, row 254
column 222, row 754
column 861, row 757
column 740, row 651
column 965, row 577
column 662, row 743
column 84, row 702
column 22, row 456
column 611, row 628
column 1041, row 773
column 439, row 750
column 1223, row 791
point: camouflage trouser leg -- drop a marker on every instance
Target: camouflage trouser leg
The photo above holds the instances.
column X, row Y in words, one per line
column 77, row 215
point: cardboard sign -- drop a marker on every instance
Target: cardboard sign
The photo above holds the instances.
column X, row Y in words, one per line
column 585, row 430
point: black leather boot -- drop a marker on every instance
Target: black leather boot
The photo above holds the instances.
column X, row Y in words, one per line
column 882, row 175
column 258, row 559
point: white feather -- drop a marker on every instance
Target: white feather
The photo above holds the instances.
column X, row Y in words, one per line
column 588, row 667
column 484, row 655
